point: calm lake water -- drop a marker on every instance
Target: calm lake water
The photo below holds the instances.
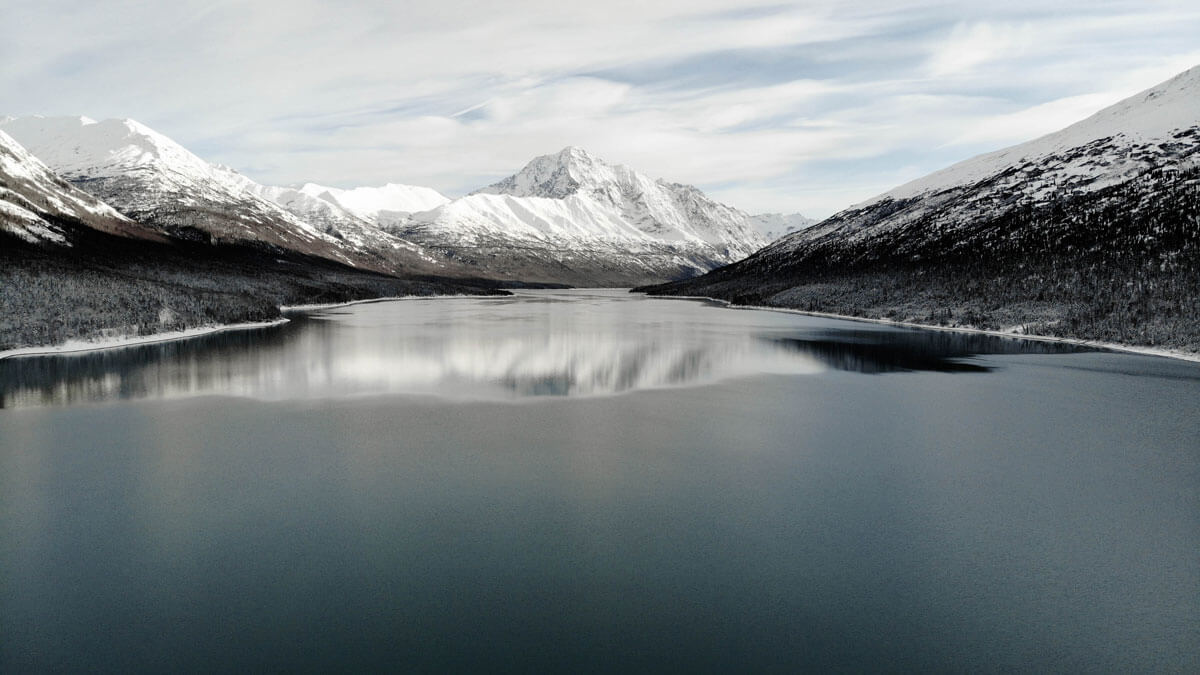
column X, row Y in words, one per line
column 593, row 481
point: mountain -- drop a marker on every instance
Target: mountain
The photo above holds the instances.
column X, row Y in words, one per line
column 38, row 206
column 571, row 218
column 772, row 226
column 1092, row 231
column 358, row 230
column 383, row 205
column 72, row 267
column 157, row 182
column 376, row 206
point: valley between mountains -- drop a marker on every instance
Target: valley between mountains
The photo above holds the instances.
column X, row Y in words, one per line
column 110, row 229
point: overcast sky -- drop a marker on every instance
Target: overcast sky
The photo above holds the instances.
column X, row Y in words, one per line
column 803, row 106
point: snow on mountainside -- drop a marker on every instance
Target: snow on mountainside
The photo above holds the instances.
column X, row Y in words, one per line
column 1146, row 120
column 775, row 225
column 361, row 233
column 156, row 181
column 665, row 211
column 1090, row 232
column 1155, row 130
column 573, row 218
column 34, row 201
column 382, row 205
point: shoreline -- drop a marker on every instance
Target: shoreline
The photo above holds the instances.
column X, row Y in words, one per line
column 1111, row 346
column 80, row 346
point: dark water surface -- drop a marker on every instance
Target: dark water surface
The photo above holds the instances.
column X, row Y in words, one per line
column 591, row 481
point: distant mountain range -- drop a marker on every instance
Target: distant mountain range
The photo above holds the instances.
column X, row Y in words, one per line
column 571, row 217
column 1092, row 231
column 74, row 267
column 565, row 218
column 112, row 214
column 161, row 185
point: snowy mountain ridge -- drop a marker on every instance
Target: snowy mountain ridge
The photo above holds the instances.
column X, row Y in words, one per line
column 385, row 204
column 571, row 217
column 33, row 198
column 663, row 210
column 1144, row 118
column 154, row 180
column 772, row 226
column 566, row 217
column 1155, row 130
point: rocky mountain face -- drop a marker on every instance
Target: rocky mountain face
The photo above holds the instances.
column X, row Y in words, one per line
column 572, row 218
column 1092, row 231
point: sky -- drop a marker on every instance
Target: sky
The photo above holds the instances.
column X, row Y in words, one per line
column 770, row 107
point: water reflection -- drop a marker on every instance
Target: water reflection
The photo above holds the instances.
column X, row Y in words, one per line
column 875, row 352
column 581, row 343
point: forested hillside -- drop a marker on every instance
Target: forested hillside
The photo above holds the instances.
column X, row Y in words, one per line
column 107, row 286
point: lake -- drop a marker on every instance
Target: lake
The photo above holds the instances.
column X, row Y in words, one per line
column 593, row 481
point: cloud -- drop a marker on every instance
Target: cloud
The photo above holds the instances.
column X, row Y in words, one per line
column 970, row 45
column 803, row 105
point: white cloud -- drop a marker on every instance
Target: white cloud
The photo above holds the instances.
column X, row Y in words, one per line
column 970, row 45
column 1035, row 121
column 456, row 93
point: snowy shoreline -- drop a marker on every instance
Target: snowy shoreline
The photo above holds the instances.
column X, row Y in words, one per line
column 77, row 346
column 80, row 346
column 1112, row 346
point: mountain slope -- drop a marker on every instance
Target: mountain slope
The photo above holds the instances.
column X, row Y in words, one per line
column 355, row 230
column 37, row 205
column 1092, row 231
column 571, row 218
column 155, row 181
column 74, row 268
column 384, row 205
column 772, row 226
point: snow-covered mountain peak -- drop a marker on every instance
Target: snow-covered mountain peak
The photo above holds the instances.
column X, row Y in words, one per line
column 562, row 174
column 82, row 147
column 156, row 181
column 382, row 204
column 571, row 206
column 772, row 226
column 33, row 200
column 582, row 165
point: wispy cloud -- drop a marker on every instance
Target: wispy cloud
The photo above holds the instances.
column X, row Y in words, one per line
column 970, row 45
column 804, row 106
